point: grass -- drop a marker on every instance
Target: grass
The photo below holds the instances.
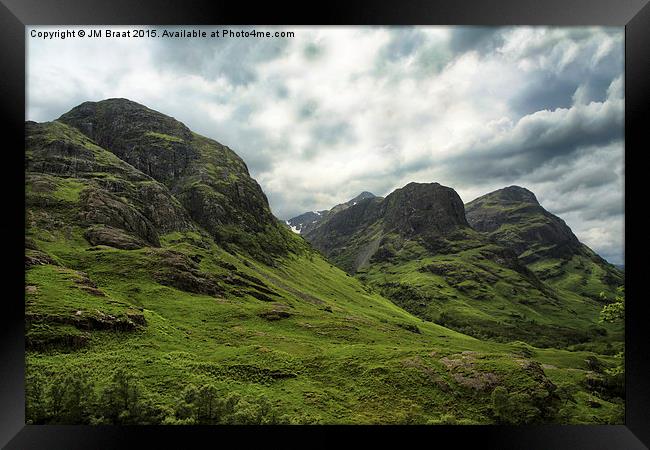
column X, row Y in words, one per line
column 163, row 136
column 258, row 312
column 344, row 355
column 469, row 292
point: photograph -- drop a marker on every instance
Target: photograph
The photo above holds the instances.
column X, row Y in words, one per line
column 324, row 225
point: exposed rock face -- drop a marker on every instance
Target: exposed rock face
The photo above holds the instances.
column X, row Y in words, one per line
column 355, row 235
column 156, row 144
column 423, row 208
column 101, row 207
column 208, row 179
column 348, row 221
column 534, row 233
column 179, row 271
column 113, row 237
column 75, row 181
column 513, row 217
column 61, row 150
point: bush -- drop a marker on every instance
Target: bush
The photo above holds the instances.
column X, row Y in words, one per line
column 517, row 408
column 121, row 398
column 72, row 399
column 35, row 399
column 594, row 364
column 204, row 406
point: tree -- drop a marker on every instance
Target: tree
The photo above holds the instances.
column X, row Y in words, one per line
column 207, row 404
column 612, row 313
column 69, row 398
column 615, row 311
column 78, row 398
column 55, row 396
column 186, row 410
column 121, row 398
column 35, row 399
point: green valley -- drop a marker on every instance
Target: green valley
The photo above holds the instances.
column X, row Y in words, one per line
column 160, row 289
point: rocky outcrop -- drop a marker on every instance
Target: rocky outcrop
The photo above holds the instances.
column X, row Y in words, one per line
column 101, row 207
column 179, row 271
column 356, row 235
column 113, row 237
column 417, row 208
column 151, row 142
column 208, row 179
column 72, row 180
column 514, row 218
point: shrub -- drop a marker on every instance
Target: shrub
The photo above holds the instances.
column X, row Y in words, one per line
column 514, row 408
column 121, row 400
column 67, row 398
column 35, row 399
column 594, row 364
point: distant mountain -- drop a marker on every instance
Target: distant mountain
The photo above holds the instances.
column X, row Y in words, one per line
column 352, row 235
column 306, row 221
column 417, row 248
column 312, row 219
column 513, row 217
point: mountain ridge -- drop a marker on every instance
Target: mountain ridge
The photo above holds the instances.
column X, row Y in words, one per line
column 514, row 218
column 423, row 228
column 309, row 220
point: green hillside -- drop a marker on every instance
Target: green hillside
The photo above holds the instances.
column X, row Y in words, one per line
column 416, row 248
column 156, row 296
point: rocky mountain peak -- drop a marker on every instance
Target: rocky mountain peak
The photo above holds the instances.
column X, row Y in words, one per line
column 152, row 142
column 210, row 180
column 120, row 115
column 514, row 218
column 310, row 220
column 515, row 194
column 424, row 207
column 364, row 195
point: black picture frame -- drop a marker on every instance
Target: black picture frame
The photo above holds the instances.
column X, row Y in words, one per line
column 634, row 15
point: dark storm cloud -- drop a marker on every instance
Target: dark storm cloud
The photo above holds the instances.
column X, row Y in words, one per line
column 236, row 59
column 482, row 39
column 544, row 91
column 550, row 89
column 538, row 138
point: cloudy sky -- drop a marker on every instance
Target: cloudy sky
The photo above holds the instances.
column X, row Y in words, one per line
column 335, row 111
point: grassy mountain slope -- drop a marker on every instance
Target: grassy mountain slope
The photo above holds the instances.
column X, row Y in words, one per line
column 324, row 350
column 416, row 248
column 208, row 179
column 514, row 218
column 122, row 273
